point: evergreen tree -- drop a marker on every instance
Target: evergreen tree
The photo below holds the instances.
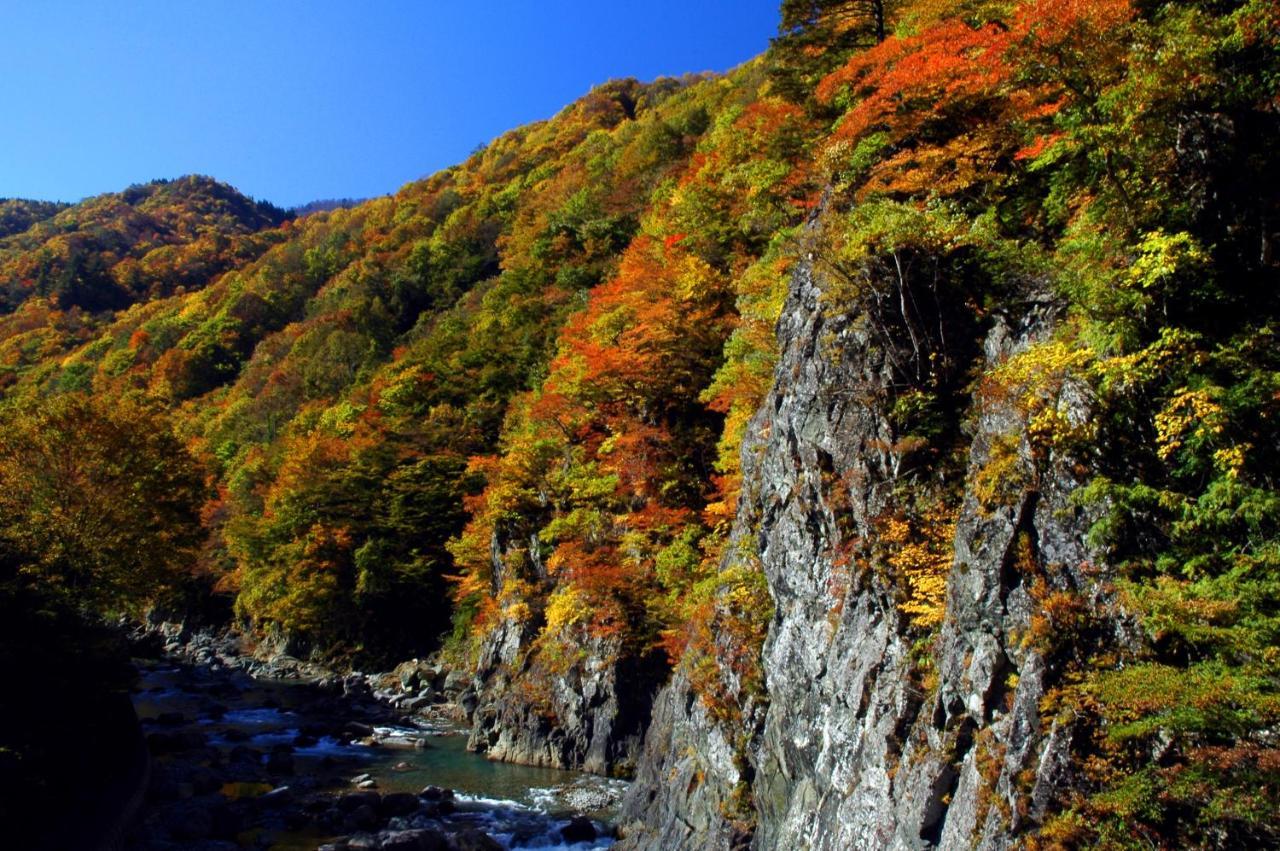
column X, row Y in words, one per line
column 816, row 36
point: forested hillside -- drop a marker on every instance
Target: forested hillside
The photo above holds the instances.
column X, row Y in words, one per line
column 886, row 428
column 17, row 214
column 64, row 270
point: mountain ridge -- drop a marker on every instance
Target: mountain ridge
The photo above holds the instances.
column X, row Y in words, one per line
column 870, row 447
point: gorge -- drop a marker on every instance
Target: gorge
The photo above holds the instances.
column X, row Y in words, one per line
column 871, row 447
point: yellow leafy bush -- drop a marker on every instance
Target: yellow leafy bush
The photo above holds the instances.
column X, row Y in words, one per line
column 1189, row 413
column 918, row 551
column 1032, row 384
column 566, row 607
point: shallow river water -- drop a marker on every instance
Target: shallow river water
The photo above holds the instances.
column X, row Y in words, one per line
column 271, row 741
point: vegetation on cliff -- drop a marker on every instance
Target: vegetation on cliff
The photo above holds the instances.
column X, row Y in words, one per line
column 517, row 391
column 1098, row 152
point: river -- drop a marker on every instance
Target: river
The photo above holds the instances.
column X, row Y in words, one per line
column 248, row 763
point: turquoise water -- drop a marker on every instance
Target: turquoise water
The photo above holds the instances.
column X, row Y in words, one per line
column 521, row 806
column 446, row 762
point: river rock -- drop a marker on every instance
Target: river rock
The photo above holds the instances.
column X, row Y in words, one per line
column 190, row 816
column 359, row 729
column 364, row 817
column 243, row 755
column 414, row 675
column 399, row 804
column 281, row 796
column 579, row 829
column 455, row 682
column 280, row 760
column 355, row 686
column 589, row 799
column 474, row 840
column 200, row 818
column 349, row 801
column 205, row 780
column 414, row 840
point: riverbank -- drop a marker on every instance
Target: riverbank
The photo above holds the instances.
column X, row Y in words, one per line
column 424, row 688
column 276, row 752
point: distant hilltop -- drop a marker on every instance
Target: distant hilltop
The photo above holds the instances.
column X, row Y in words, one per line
column 324, row 205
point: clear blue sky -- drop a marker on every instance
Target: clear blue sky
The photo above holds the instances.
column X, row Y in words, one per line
column 293, row 101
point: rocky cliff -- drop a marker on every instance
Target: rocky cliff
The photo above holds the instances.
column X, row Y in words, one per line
column 533, row 705
column 589, row 712
column 878, row 734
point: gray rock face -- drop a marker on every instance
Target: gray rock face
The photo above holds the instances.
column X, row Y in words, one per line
column 836, row 663
column 586, row 712
column 592, row 717
column 686, row 776
column 856, row 750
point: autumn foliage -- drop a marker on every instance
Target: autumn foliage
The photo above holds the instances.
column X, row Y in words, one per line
column 517, row 392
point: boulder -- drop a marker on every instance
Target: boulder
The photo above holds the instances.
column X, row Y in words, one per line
column 414, row 840
column 364, row 817
column 579, row 829
column 439, row 802
column 474, row 840
column 245, row 755
column 456, row 681
column 281, row 796
column 349, row 801
column 205, row 780
column 280, row 760
column 399, row 804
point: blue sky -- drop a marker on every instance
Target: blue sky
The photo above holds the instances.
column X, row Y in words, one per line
column 293, row 101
